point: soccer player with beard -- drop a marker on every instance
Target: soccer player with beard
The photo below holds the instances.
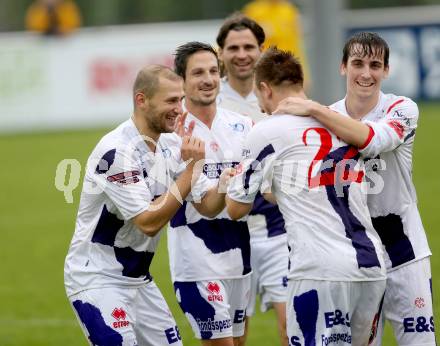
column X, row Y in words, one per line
column 383, row 127
column 241, row 41
column 210, row 257
column 136, row 179
column 337, row 272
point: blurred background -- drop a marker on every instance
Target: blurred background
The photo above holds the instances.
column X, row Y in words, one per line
column 65, row 79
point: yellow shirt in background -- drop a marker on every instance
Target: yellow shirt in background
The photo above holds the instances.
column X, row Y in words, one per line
column 66, row 13
column 282, row 26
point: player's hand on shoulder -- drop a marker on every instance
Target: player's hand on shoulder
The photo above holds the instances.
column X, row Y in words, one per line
column 192, row 150
column 294, row 106
column 180, row 126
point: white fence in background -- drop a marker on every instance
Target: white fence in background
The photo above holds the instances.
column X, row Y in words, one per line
column 85, row 80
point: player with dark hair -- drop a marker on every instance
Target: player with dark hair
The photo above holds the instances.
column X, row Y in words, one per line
column 383, row 127
column 337, row 272
column 241, row 41
column 136, row 179
column 210, row 257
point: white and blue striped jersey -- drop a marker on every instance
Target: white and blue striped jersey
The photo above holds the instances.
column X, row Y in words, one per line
column 392, row 199
column 122, row 177
column 265, row 221
column 317, row 181
column 201, row 248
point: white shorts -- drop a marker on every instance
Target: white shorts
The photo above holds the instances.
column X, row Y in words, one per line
column 126, row 316
column 333, row 312
column 408, row 305
column 269, row 262
column 214, row 308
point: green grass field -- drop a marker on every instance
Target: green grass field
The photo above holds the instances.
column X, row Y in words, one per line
column 36, row 227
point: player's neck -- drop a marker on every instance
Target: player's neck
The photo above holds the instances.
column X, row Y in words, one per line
column 205, row 113
column 358, row 107
column 150, row 136
column 242, row 87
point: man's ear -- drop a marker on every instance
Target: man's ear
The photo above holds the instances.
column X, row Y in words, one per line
column 220, row 53
column 343, row 69
column 265, row 89
column 140, row 100
column 387, row 72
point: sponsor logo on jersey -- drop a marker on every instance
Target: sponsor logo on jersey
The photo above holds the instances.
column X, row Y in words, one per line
column 336, row 338
column 245, row 153
column 237, row 127
column 419, row 302
column 214, row 289
column 173, row 335
column 418, row 324
column 125, row 178
column 166, row 152
column 119, row 315
column 213, row 170
column 211, row 325
column 336, row 318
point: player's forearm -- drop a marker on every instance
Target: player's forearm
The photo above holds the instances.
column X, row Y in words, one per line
column 212, row 203
column 349, row 130
column 162, row 209
column 237, row 210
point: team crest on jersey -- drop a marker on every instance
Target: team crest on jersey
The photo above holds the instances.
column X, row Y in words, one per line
column 245, row 153
column 214, row 292
column 214, row 146
column 125, row 178
column 419, row 302
column 237, row 127
column 166, row 152
column 119, row 315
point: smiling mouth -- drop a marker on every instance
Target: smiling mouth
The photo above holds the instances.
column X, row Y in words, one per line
column 364, row 84
column 243, row 65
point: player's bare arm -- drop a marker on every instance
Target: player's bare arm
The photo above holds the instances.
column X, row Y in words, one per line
column 214, row 200
column 237, row 210
column 349, row 130
column 162, row 209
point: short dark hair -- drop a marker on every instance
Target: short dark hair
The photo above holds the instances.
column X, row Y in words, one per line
column 366, row 44
column 183, row 53
column 278, row 67
column 237, row 21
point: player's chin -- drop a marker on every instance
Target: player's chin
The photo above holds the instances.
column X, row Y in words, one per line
column 170, row 125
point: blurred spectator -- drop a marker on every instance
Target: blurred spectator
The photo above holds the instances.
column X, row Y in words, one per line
column 281, row 22
column 53, row 17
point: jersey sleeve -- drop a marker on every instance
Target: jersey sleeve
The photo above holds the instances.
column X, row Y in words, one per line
column 257, row 160
column 120, row 177
column 396, row 128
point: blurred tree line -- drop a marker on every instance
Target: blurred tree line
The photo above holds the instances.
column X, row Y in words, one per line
column 110, row 12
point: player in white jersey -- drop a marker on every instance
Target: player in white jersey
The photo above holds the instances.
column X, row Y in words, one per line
column 240, row 41
column 135, row 182
column 337, row 271
column 210, row 258
column 388, row 124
